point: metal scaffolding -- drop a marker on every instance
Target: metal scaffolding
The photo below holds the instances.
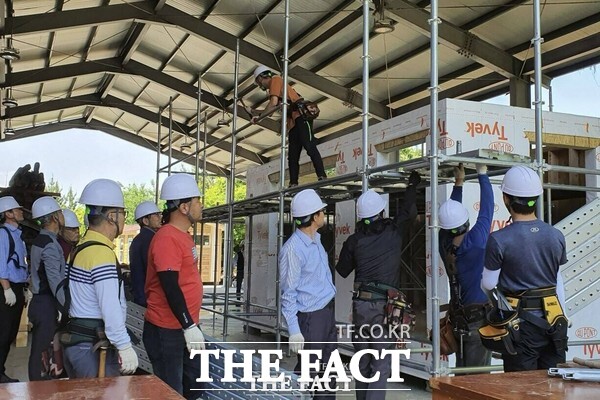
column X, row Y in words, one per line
column 345, row 186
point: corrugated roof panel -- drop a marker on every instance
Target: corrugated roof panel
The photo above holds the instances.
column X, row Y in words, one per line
column 514, row 27
column 160, row 40
column 130, row 122
column 269, row 34
column 107, row 40
column 130, row 84
column 33, row 50
column 234, row 16
column 143, row 57
column 192, row 7
column 28, row 7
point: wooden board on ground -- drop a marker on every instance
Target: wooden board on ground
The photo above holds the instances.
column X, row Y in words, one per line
column 21, row 340
column 530, row 385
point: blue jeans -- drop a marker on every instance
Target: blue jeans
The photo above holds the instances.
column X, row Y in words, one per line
column 170, row 359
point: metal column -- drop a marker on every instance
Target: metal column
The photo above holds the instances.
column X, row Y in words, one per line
column 158, row 153
column 434, row 133
column 231, row 192
column 365, row 96
column 282, row 169
column 170, row 135
column 537, row 53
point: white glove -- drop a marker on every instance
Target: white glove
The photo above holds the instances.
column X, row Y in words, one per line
column 128, row 360
column 194, row 339
column 296, row 342
column 28, row 295
column 481, row 169
column 9, row 297
column 459, row 173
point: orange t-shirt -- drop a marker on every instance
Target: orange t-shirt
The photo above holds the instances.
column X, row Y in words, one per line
column 172, row 250
column 276, row 89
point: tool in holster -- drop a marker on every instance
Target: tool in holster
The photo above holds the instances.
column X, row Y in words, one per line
column 502, row 329
column 102, row 362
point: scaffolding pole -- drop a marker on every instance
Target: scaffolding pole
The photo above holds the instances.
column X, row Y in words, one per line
column 280, row 226
column 365, row 96
column 537, row 57
column 249, row 272
column 231, row 191
column 434, row 134
column 158, row 153
column 197, row 162
column 170, row 134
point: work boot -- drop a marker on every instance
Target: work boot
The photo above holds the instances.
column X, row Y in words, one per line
column 5, row 379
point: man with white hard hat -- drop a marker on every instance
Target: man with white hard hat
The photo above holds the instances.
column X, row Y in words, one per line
column 98, row 308
column 69, row 235
column 47, row 272
column 301, row 134
column 374, row 253
column 307, row 289
column 462, row 251
column 174, row 288
column 148, row 216
column 523, row 260
column 13, row 277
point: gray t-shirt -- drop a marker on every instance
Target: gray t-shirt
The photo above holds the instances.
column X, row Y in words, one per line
column 528, row 253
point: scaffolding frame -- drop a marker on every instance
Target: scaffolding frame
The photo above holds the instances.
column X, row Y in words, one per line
column 337, row 188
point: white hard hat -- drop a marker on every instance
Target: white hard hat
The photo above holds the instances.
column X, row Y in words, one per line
column 178, row 187
column 261, row 69
column 8, row 203
column 71, row 220
column 306, row 202
column 522, row 181
column 44, row 206
column 145, row 208
column 452, row 214
column 102, row 192
column 369, row 204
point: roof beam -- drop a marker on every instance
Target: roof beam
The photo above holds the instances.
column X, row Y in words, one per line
column 144, row 11
column 111, row 101
column 464, row 42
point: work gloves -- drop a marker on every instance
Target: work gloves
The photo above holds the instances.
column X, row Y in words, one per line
column 296, row 342
column 9, row 297
column 128, row 360
column 194, row 339
column 28, row 295
column 414, row 179
column 459, row 174
column 481, row 169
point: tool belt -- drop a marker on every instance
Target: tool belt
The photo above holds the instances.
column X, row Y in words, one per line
column 555, row 322
column 372, row 291
column 501, row 332
column 84, row 330
column 469, row 314
column 397, row 310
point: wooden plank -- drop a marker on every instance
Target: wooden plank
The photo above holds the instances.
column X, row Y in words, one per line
column 21, row 340
column 530, row 385
column 559, row 139
column 404, row 141
column 307, row 169
column 122, row 387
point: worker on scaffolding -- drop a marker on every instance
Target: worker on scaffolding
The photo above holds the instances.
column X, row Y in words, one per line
column 307, row 289
column 299, row 127
column 462, row 250
column 149, row 217
column 95, row 341
column 47, row 272
column 13, row 277
column 523, row 260
column 69, row 235
column 174, row 289
column 374, row 252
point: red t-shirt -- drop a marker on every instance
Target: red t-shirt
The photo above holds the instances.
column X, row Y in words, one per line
column 172, row 250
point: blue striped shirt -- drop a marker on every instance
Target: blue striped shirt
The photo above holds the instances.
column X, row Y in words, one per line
column 306, row 282
column 14, row 271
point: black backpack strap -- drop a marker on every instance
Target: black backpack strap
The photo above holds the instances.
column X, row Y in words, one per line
column 64, row 285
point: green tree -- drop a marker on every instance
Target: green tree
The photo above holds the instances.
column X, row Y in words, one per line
column 134, row 194
column 216, row 189
column 67, row 200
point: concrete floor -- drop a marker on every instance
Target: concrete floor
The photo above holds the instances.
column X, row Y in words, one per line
column 16, row 365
